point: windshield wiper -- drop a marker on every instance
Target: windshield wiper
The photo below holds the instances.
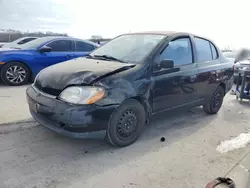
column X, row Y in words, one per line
column 89, row 56
column 108, row 57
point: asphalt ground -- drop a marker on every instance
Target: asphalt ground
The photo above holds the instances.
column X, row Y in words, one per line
column 36, row 157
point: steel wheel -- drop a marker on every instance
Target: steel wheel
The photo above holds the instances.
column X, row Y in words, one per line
column 217, row 101
column 16, row 74
column 127, row 124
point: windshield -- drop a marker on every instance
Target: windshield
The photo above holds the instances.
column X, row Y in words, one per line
column 129, row 48
column 34, row 44
column 18, row 42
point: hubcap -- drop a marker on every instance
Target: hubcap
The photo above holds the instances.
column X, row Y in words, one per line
column 216, row 101
column 127, row 124
column 15, row 74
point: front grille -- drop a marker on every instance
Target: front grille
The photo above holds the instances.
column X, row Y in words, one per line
column 50, row 91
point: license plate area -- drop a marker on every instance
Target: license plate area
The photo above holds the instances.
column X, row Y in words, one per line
column 33, row 105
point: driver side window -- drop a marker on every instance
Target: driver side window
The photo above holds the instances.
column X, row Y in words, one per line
column 179, row 50
column 61, row 46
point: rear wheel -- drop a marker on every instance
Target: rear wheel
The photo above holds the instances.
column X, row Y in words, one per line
column 126, row 124
column 15, row 74
column 215, row 102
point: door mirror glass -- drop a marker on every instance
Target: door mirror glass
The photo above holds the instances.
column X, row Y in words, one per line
column 45, row 49
column 167, row 64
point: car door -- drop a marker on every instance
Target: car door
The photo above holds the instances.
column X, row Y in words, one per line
column 83, row 48
column 175, row 87
column 207, row 59
column 61, row 50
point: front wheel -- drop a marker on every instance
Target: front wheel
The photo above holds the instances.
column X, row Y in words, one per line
column 15, row 74
column 215, row 102
column 126, row 124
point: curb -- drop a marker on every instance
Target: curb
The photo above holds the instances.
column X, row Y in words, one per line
column 17, row 126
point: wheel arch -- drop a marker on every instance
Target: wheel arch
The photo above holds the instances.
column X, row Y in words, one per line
column 145, row 104
column 223, row 85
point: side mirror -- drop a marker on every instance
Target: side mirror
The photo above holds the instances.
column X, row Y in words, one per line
column 167, row 64
column 45, row 49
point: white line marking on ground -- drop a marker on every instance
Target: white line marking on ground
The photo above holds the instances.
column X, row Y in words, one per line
column 244, row 168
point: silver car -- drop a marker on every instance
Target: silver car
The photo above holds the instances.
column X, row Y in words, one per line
column 17, row 42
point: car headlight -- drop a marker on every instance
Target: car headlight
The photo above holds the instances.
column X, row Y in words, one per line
column 82, row 95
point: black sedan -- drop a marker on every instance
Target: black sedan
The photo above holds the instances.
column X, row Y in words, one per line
column 119, row 86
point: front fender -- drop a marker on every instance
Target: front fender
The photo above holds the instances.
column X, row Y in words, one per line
column 117, row 91
column 26, row 57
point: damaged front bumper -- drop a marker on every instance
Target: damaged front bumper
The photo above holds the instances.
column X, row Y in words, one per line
column 77, row 121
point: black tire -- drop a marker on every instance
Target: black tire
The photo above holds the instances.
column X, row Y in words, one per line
column 10, row 66
column 215, row 102
column 126, row 124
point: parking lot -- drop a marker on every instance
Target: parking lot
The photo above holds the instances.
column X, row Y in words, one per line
column 13, row 104
column 37, row 157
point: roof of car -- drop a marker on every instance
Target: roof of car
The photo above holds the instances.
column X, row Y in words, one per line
column 167, row 33
column 63, row 37
column 55, row 37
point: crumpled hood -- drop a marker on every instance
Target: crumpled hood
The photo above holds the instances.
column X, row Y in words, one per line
column 80, row 71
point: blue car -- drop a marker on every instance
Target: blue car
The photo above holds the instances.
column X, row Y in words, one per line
column 20, row 65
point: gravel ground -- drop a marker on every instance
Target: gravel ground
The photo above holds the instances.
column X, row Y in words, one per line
column 37, row 157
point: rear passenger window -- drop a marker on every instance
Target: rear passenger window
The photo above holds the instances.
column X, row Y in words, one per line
column 84, row 47
column 203, row 50
column 214, row 51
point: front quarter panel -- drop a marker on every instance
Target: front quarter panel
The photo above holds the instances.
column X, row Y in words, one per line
column 125, row 85
column 24, row 56
column 124, row 89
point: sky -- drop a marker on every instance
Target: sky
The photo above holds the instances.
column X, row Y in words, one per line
column 224, row 22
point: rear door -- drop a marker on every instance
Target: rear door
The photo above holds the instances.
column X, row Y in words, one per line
column 62, row 50
column 83, row 48
column 208, row 62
